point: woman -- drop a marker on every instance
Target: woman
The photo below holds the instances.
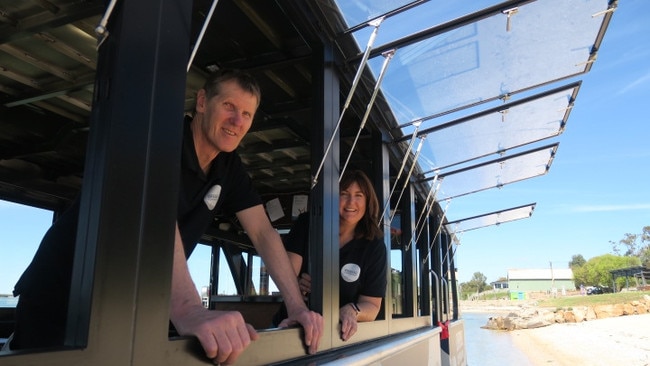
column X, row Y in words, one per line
column 362, row 254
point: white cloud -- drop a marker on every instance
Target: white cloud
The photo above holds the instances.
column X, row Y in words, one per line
column 609, row 208
column 640, row 81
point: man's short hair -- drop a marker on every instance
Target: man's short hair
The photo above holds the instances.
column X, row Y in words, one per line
column 245, row 81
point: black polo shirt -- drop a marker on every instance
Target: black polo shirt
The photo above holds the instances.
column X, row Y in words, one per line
column 44, row 287
column 226, row 189
column 362, row 266
column 362, row 262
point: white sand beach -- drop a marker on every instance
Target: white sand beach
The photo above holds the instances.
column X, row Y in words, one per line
column 623, row 340
column 620, row 340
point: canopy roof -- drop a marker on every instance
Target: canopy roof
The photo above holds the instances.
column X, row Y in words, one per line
column 471, row 94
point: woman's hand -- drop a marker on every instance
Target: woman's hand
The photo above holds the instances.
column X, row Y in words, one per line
column 304, row 281
column 348, row 319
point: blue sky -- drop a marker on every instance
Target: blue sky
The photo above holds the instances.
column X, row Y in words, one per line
column 595, row 192
column 597, row 187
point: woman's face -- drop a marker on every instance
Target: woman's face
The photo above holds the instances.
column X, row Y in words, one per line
column 352, row 204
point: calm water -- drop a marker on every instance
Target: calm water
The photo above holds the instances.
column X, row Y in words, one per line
column 488, row 347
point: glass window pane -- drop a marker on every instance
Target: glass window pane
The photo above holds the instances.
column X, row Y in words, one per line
column 226, row 285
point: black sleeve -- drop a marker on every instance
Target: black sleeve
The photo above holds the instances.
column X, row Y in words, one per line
column 375, row 279
column 297, row 241
column 239, row 192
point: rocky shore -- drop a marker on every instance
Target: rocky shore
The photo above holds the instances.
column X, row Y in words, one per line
column 529, row 316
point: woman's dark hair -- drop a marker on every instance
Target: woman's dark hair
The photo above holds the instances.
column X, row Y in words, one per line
column 245, row 81
column 368, row 227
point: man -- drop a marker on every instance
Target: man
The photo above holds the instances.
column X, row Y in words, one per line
column 212, row 179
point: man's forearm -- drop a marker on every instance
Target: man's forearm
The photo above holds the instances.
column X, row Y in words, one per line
column 184, row 294
column 269, row 245
column 281, row 270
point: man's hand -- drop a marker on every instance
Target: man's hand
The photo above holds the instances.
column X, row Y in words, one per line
column 311, row 322
column 269, row 246
column 223, row 334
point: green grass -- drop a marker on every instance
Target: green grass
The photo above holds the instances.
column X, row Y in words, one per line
column 486, row 296
column 591, row 300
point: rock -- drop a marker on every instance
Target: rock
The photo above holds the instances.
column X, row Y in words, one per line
column 537, row 323
column 569, row 317
column 509, row 324
column 591, row 314
column 580, row 314
column 628, row 309
column 608, row 311
column 494, row 323
column 549, row 317
column 559, row 316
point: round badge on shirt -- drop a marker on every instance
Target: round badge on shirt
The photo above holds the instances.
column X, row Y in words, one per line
column 350, row 272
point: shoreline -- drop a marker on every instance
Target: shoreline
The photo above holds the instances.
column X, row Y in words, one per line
column 622, row 340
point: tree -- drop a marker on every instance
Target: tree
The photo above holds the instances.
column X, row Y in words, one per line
column 596, row 271
column 636, row 245
column 628, row 243
column 577, row 260
column 644, row 256
column 476, row 284
column 644, row 251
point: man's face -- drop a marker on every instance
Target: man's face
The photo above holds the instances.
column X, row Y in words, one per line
column 226, row 117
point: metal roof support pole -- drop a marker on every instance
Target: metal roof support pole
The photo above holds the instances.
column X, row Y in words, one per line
column 387, row 57
column 362, row 65
column 440, row 224
column 441, row 221
column 408, row 176
column 101, row 30
column 202, row 33
column 429, row 203
column 399, row 174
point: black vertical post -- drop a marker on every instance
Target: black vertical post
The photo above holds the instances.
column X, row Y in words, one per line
column 381, row 180
column 444, row 335
column 425, row 268
column 324, row 202
column 215, row 263
column 436, row 269
column 453, row 285
column 445, row 241
column 129, row 196
column 408, row 260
